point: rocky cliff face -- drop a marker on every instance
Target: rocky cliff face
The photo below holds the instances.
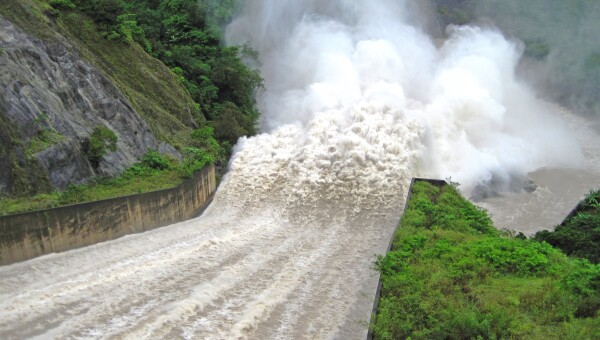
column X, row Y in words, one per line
column 50, row 101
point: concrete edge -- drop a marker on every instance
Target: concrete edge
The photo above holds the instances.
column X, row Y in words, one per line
column 437, row 182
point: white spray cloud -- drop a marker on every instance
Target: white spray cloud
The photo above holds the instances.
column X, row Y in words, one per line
column 463, row 112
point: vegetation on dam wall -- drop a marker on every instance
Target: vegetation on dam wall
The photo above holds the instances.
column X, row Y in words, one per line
column 153, row 172
column 27, row 235
column 452, row 275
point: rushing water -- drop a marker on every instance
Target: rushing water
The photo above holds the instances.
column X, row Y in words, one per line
column 358, row 99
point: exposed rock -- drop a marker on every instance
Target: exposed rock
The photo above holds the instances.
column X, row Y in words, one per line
column 44, row 86
column 65, row 164
column 497, row 185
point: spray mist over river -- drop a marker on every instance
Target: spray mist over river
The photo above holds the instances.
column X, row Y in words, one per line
column 357, row 100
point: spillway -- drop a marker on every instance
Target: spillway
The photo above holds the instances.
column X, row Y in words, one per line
column 358, row 99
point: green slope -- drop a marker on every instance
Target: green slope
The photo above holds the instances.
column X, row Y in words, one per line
column 451, row 275
column 153, row 90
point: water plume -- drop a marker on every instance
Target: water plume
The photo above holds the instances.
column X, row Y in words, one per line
column 475, row 122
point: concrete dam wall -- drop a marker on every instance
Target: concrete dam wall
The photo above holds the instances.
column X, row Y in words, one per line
column 28, row 235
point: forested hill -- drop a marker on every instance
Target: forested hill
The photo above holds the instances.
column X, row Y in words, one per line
column 89, row 87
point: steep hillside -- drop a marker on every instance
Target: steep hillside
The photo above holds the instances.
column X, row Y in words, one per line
column 60, row 80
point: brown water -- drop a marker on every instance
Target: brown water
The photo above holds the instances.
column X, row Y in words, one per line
column 357, row 102
column 558, row 189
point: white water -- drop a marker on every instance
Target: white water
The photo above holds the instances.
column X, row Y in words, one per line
column 357, row 102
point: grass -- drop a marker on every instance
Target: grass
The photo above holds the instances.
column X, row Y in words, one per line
column 451, row 275
column 21, row 204
column 154, row 172
column 44, row 139
column 30, row 16
column 98, row 190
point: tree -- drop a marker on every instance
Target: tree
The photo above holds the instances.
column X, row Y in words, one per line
column 230, row 124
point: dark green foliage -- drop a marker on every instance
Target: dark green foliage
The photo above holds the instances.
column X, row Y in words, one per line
column 103, row 12
column 449, row 276
column 102, row 140
column 578, row 235
column 62, row 4
column 149, row 86
column 453, row 14
column 230, row 123
column 73, row 194
column 184, row 35
column 568, row 30
column 153, row 172
column 154, row 160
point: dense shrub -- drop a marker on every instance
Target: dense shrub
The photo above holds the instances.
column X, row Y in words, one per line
column 102, row 140
column 185, row 35
column 450, row 276
column 62, row 4
column 578, row 235
column 103, row 12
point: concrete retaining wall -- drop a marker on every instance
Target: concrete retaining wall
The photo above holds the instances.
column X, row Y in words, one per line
column 28, row 235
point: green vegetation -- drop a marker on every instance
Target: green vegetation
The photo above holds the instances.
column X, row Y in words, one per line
column 450, row 274
column 194, row 92
column 44, row 139
column 102, row 140
column 45, row 136
column 567, row 30
column 204, row 84
column 579, row 234
column 61, row 4
column 154, row 172
column 185, row 36
column 28, row 178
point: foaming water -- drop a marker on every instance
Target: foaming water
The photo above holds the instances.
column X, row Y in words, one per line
column 356, row 102
column 476, row 122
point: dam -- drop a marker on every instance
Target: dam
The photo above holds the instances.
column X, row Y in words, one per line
column 358, row 100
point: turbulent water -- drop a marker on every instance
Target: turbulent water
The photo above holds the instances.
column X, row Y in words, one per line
column 357, row 100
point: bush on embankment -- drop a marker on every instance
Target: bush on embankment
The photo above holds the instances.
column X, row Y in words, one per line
column 153, row 172
column 579, row 234
column 450, row 274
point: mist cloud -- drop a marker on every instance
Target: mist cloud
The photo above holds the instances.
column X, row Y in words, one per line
column 333, row 68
